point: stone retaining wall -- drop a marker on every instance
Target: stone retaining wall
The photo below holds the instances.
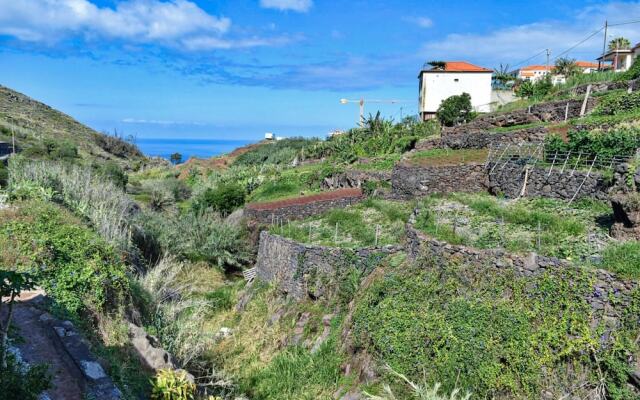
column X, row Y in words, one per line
column 302, row 207
column 605, row 86
column 302, row 270
column 354, row 179
column 508, row 179
column 484, row 139
column 545, row 112
column 609, row 297
column 414, row 181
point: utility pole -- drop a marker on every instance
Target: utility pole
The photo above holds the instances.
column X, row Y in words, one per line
column 604, row 45
column 548, row 55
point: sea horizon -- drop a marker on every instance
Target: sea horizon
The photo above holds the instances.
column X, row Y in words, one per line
column 189, row 148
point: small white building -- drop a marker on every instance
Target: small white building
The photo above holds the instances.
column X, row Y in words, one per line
column 620, row 60
column 533, row 73
column 454, row 78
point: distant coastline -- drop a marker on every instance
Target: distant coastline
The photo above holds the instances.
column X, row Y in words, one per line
column 202, row 148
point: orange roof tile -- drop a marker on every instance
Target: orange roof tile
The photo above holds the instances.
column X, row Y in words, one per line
column 586, row 64
column 536, row 68
column 463, row 66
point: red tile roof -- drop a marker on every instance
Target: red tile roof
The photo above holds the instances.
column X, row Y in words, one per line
column 586, row 64
column 536, row 68
column 458, row 66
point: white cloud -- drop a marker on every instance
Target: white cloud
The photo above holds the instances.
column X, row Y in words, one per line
column 284, row 5
column 422, row 22
column 517, row 43
column 173, row 23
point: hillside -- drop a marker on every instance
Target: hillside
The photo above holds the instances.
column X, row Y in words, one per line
column 44, row 132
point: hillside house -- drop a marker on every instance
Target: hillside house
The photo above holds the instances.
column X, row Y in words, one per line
column 533, row 73
column 453, row 78
column 620, row 59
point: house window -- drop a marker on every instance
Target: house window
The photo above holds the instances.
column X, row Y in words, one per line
column 456, row 80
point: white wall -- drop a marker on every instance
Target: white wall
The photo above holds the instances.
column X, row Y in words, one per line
column 438, row 86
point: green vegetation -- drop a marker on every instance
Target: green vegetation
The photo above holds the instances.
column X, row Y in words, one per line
column 623, row 259
column 441, row 157
column 356, row 225
column 172, row 385
column 279, row 152
column 631, row 73
column 455, row 110
column 535, row 90
column 225, row 198
column 43, row 132
column 618, row 103
column 621, row 141
column 20, row 383
column 504, row 129
column 549, row 227
column 486, row 331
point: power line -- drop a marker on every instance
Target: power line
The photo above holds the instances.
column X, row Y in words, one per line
column 626, row 23
column 530, row 58
column 579, row 43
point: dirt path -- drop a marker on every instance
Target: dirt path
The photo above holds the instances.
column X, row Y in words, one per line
column 37, row 347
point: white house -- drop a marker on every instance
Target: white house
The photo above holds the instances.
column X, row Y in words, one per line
column 533, row 73
column 620, row 59
column 454, row 78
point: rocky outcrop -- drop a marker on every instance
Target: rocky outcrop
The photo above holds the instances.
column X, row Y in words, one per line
column 626, row 213
column 149, row 350
column 409, row 181
column 302, row 207
column 308, row 271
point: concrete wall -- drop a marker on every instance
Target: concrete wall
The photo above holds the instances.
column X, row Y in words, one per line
column 437, row 86
column 414, row 181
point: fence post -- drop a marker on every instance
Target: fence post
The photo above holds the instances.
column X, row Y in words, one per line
column 566, row 112
column 583, row 109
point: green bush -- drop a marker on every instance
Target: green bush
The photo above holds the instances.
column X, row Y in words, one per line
column 20, row 383
column 537, row 90
column 113, row 172
column 631, row 73
column 280, row 152
column 224, row 199
column 618, row 103
column 455, row 110
column 53, row 150
column 172, row 385
column 78, row 269
column 4, row 175
column 198, row 237
column 619, row 141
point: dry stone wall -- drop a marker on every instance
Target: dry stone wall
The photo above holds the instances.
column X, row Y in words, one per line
column 545, row 112
column 415, row 181
column 354, row 179
column 484, row 139
column 509, row 178
column 304, row 271
column 610, row 294
column 302, row 207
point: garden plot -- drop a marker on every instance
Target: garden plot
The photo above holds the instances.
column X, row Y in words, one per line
column 548, row 227
column 372, row 222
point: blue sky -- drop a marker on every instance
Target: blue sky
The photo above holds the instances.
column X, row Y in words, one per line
column 236, row 69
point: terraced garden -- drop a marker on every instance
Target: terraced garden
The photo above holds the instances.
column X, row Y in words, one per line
column 373, row 222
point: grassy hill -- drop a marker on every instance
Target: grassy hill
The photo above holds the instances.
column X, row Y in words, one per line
column 43, row 132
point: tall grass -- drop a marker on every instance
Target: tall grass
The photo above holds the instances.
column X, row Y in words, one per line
column 104, row 204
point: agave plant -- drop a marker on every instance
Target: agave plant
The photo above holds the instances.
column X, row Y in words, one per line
column 420, row 391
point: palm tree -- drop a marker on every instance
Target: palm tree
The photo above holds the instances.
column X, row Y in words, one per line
column 566, row 66
column 619, row 43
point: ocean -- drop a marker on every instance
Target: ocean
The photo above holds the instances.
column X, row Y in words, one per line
column 202, row 148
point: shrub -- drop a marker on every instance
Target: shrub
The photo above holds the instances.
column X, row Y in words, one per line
column 631, row 73
column 73, row 264
column 20, row 382
column 455, row 110
column 618, row 103
column 536, row 90
column 53, row 150
column 619, row 141
column 172, row 385
column 199, row 237
column 113, row 172
column 116, row 145
column 279, row 152
column 224, row 199
column 4, row 175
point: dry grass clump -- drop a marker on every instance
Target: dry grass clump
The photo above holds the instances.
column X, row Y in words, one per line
column 446, row 157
